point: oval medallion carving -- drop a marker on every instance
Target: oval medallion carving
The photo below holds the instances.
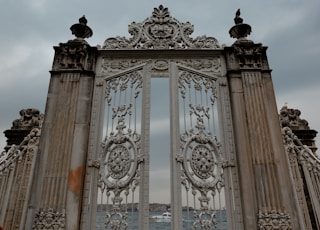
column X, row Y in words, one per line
column 118, row 163
column 202, row 161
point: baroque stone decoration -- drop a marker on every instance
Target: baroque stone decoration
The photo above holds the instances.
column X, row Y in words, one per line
column 295, row 148
column 273, row 220
column 29, row 118
column 76, row 53
column 17, row 152
column 291, row 118
column 16, row 165
column 50, row 219
column 161, row 31
column 250, row 55
column 72, row 55
column 300, row 127
column 305, row 168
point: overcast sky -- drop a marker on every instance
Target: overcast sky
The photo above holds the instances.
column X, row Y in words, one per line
column 29, row 29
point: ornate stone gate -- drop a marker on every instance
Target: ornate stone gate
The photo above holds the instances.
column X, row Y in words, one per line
column 200, row 120
column 226, row 149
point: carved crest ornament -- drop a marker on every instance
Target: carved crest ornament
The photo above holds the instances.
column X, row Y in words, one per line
column 161, row 31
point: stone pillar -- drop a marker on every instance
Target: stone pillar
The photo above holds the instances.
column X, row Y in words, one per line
column 57, row 188
column 268, row 195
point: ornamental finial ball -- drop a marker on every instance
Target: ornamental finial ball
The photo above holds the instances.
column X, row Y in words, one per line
column 83, row 20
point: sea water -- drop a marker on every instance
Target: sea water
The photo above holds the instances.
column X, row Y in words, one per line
column 188, row 221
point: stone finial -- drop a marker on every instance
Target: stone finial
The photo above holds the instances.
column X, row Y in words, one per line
column 240, row 30
column 300, row 127
column 29, row 119
column 81, row 30
column 291, row 118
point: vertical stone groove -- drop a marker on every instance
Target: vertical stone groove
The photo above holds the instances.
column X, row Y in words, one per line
column 263, row 157
column 57, row 168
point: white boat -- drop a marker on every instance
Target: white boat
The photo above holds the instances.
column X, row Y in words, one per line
column 166, row 216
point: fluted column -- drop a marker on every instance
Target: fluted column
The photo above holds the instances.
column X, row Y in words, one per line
column 267, row 193
column 57, row 188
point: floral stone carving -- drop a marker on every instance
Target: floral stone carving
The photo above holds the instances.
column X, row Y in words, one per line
column 161, row 31
column 50, row 219
column 273, row 220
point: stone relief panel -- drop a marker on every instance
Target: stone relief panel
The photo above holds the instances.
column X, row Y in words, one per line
column 212, row 65
column 250, row 55
column 273, row 220
column 111, row 66
column 74, row 55
column 161, row 31
column 50, row 219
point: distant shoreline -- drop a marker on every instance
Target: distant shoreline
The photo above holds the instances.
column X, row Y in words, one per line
column 153, row 207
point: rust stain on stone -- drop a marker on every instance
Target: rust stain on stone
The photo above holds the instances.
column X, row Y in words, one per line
column 74, row 182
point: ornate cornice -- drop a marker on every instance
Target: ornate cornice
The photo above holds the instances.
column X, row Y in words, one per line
column 161, row 31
